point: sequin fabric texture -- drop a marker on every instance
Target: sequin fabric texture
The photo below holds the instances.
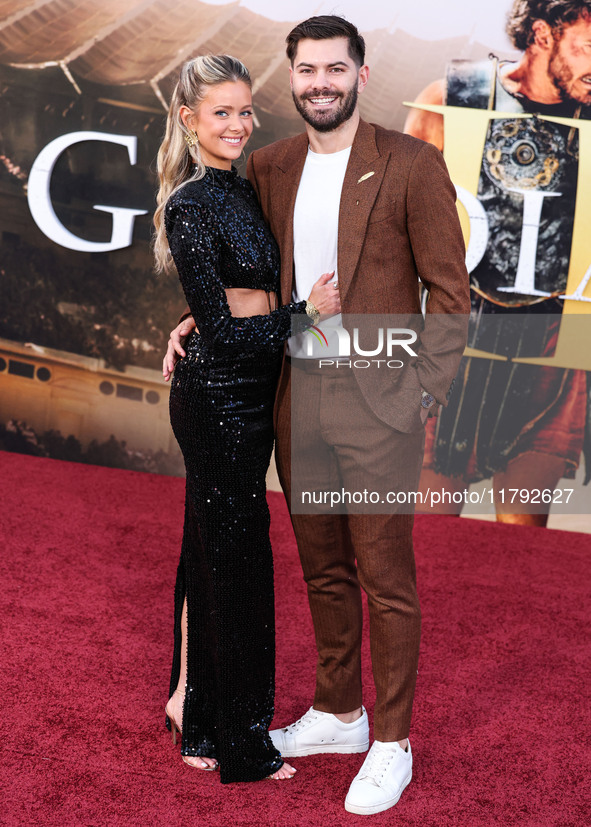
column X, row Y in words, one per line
column 221, row 404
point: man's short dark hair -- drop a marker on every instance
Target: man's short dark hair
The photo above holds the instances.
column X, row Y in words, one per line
column 327, row 27
column 556, row 13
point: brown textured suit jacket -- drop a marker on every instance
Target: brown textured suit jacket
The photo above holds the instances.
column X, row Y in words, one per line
column 396, row 225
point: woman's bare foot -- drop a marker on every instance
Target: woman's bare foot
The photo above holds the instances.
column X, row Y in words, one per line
column 199, row 762
column 174, row 710
column 286, row 771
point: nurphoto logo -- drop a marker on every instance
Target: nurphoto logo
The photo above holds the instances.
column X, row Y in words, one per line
column 387, row 340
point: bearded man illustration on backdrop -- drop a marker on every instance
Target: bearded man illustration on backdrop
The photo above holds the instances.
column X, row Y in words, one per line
column 523, row 425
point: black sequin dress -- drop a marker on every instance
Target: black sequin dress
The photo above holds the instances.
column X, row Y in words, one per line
column 221, row 403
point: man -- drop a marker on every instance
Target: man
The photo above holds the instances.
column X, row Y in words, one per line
column 536, row 434
column 378, row 207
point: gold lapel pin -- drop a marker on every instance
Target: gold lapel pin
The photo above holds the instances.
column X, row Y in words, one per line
column 367, row 175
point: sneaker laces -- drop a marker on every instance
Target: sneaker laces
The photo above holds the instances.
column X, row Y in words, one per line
column 304, row 722
column 376, row 763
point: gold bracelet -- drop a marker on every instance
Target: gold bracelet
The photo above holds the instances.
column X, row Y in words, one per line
column 313, row 312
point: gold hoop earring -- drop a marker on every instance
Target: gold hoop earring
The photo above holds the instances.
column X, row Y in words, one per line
column 191, row 138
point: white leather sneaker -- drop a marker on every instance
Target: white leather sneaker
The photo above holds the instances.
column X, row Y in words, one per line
column 380, row 782
column 317, row 732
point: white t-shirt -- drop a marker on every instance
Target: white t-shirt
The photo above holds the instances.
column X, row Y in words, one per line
column 316, row 232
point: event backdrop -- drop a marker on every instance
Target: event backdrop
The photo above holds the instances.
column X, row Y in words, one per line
column 84, row 88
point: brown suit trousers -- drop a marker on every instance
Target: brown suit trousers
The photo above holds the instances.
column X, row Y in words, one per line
column 342, row 553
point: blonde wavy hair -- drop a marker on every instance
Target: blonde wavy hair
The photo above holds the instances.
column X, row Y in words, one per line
column 178, row 164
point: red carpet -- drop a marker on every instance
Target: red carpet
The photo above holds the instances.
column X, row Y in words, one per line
column 89, row 557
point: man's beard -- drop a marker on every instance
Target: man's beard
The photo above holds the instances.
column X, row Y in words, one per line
column 327, row 121
column 563, row 79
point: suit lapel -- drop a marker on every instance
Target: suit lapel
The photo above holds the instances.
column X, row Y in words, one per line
column 361, row 185
column 360, row 190
column 286, row 180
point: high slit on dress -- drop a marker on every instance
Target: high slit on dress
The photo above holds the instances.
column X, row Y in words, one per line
column 221, row 404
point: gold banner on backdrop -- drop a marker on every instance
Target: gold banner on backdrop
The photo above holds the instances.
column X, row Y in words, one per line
column 465, row 134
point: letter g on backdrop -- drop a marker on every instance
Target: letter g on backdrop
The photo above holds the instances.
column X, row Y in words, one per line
column 39, row 197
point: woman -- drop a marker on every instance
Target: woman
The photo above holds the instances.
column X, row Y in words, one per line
column 209, row 222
